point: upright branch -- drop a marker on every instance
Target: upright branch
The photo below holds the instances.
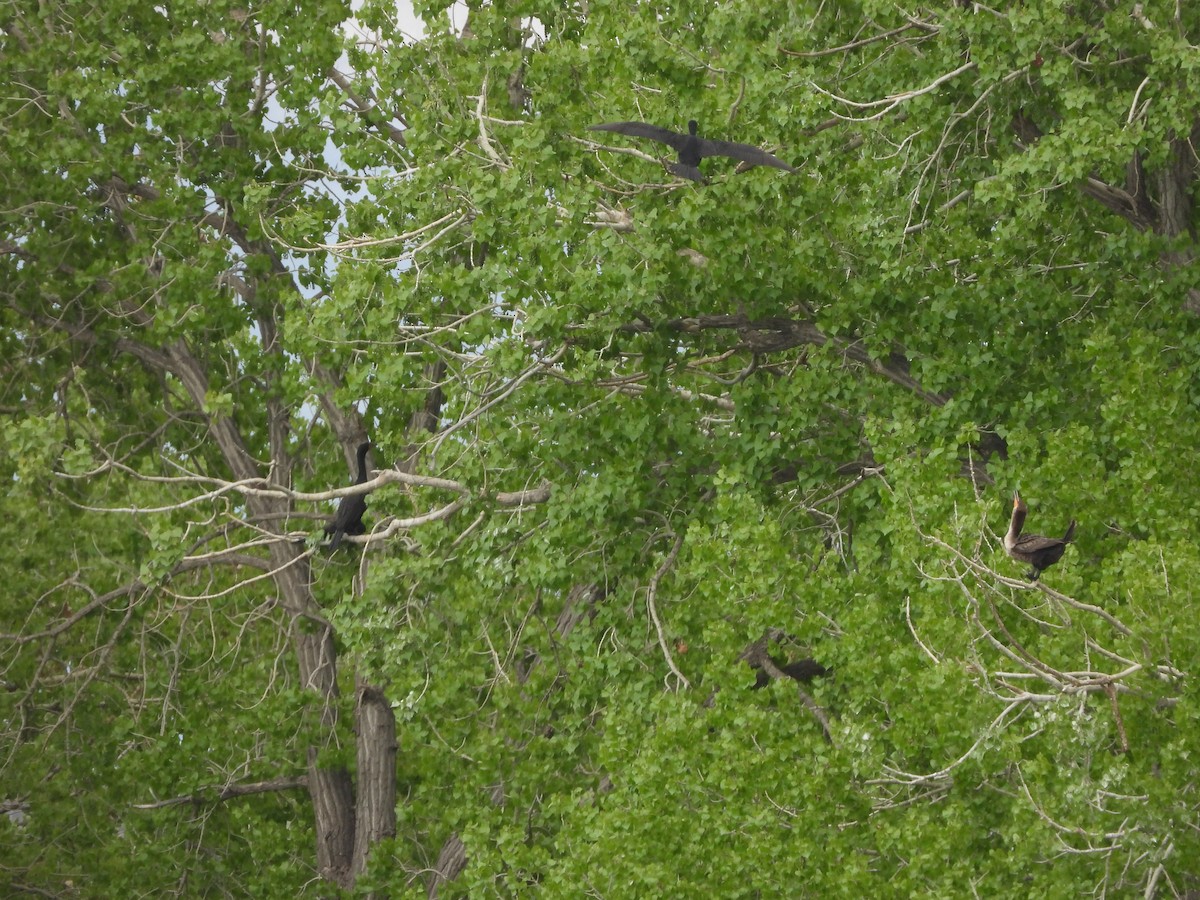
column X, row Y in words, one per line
column 652, row 608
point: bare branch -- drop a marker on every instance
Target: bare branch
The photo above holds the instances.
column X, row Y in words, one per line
column 859, row 44
column 889, row 103
column 484, row 142
column 537, row 366
column 778, row 333
column 260, row 487
column 898, row 776
column 651, row 594
column 228, row 792
column 450, row 221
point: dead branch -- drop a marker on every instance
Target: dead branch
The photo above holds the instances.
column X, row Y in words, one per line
column 510, row 387
column 450, row 221
column 863, row 42
column 892, row 101
column 101, row 600
column 228, row 792
column 259, row 487
column 776, row 334
column 897, row 776
column 651, row 593
column 484, row 141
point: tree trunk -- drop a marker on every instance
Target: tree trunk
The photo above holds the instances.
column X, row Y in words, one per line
column 375, row 725
column 331, row 788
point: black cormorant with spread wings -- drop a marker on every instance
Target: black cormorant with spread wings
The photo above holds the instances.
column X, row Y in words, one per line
column 692, row 148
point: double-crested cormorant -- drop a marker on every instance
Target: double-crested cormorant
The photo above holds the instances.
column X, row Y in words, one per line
column 1040, row 552
column 800, row 670
column 692, row 148
column 350, row 511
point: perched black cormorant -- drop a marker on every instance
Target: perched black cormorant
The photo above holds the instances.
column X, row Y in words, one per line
column 350, row 511
column 1040, row 552
column 692, row 148
column 800, row 670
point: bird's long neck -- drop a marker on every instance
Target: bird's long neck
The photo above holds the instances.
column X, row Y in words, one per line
column 362, row 465
column 1015, row 524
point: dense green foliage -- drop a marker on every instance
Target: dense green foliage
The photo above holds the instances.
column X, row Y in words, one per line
column 755, row 405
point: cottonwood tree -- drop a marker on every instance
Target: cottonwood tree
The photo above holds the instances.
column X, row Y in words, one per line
column 163, row 390
column 771, row 386
column 635, row 431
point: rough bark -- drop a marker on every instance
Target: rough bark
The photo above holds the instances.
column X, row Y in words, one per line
column 330, row 787
column 450, row 863
column 375, row 726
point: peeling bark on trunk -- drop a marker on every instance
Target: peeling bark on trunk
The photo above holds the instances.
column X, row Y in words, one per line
column 450, row 863
column 375, row 810
column 330, row 788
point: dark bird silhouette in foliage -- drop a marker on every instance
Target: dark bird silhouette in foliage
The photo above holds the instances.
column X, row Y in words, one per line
column 1040, row 552
column 349, row 518
column 692, row 148
column 802, row 670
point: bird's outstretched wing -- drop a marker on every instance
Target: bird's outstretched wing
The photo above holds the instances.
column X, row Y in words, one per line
column 745, row 152
column 645, row 130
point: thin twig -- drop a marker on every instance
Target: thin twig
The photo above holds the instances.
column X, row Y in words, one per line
column 855, row 45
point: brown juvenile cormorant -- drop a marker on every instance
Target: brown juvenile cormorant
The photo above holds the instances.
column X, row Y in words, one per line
column 692, row 148
column 1040, row 552
column 350, row 511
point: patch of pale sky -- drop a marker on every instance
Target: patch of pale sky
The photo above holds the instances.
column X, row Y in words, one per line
column 414, row 28
column 411, row 25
